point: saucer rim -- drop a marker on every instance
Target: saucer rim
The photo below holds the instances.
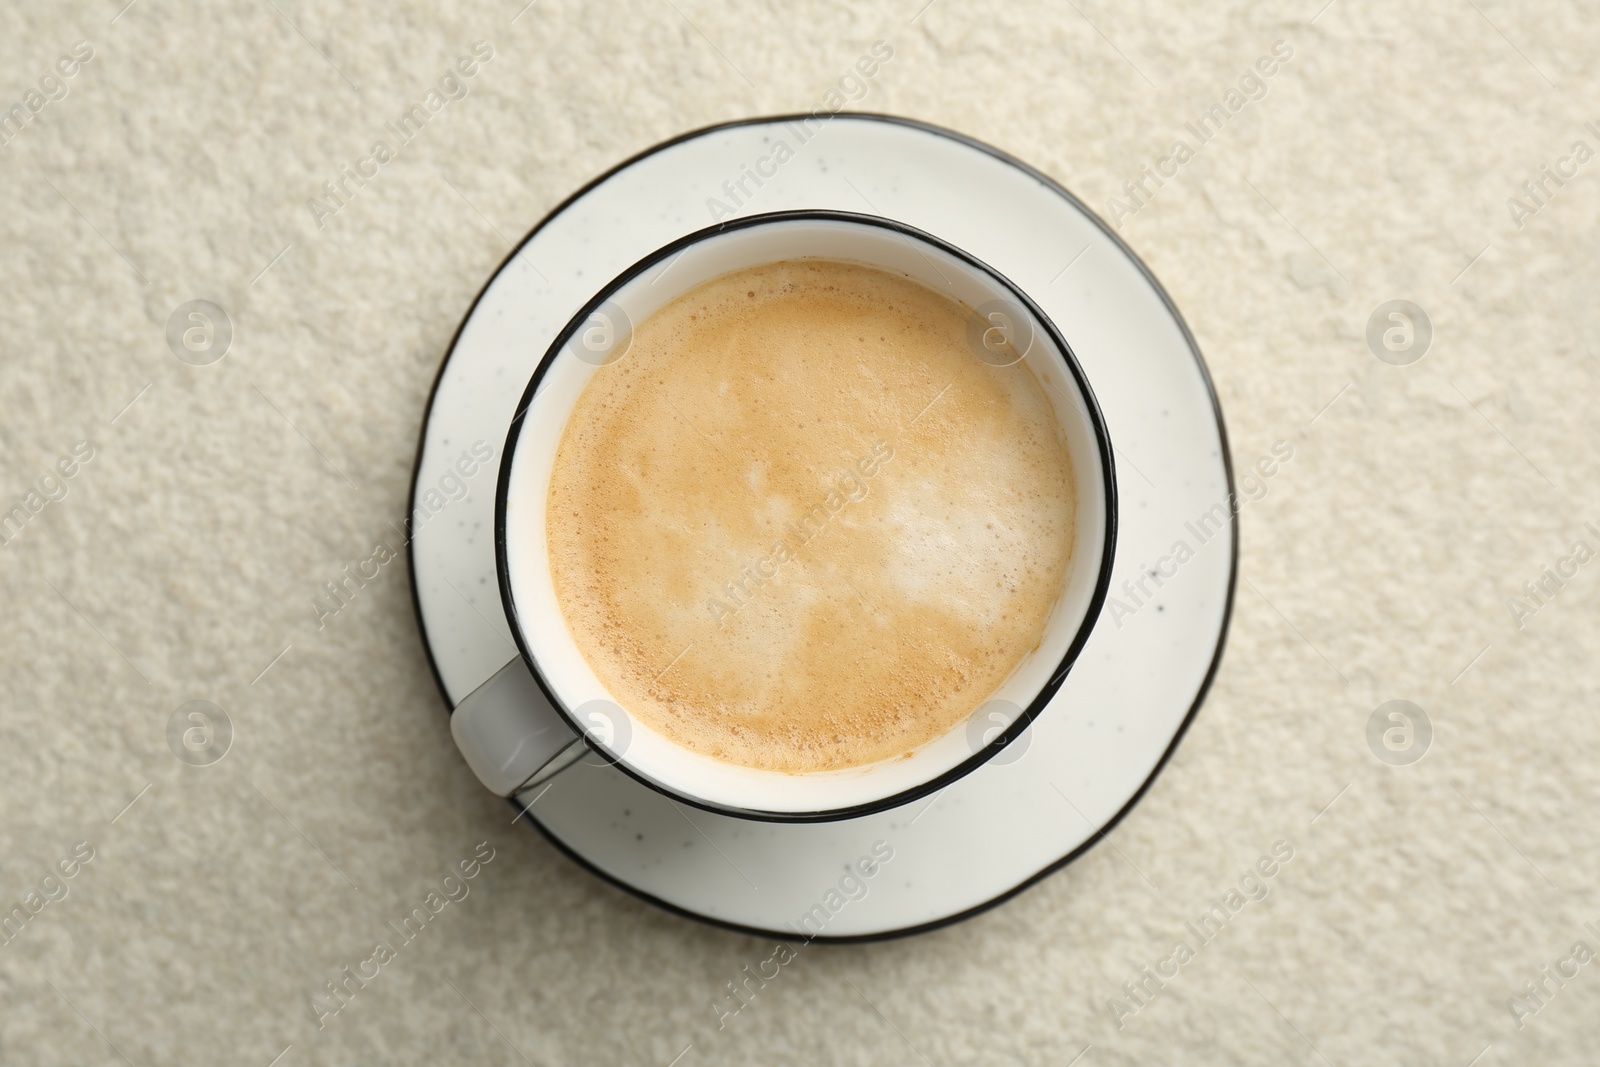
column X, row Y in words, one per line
column 1201, row 693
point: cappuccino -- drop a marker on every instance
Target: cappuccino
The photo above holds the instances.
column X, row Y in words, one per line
column 801, row 525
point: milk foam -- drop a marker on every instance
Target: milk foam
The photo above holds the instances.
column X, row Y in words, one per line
column 800, row 526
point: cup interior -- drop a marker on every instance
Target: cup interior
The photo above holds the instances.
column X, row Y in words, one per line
column 604, row 327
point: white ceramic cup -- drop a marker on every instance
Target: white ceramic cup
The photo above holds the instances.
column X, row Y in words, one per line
column 546, row 708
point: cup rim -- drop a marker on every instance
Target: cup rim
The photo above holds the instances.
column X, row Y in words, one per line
column 1039, row 701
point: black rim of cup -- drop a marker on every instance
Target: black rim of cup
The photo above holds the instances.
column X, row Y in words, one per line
column 1091, row 409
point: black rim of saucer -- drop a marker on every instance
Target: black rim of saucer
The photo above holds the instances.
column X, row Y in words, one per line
column 1227, row 462
column 1091, row 409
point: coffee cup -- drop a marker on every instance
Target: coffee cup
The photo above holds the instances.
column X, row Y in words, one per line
column 547, row 708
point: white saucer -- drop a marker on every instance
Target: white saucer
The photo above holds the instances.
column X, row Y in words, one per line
column 1140, row 679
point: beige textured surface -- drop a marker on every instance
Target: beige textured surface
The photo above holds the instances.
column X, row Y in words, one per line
column 182, row 559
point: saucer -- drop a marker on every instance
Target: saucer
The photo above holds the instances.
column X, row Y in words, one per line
column 1140, row 679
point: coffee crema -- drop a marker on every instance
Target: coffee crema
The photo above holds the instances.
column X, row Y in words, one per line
column 800, row 526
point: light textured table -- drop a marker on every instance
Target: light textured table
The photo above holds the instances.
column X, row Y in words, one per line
column 1375, row 163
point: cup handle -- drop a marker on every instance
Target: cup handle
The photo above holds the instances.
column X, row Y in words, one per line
column 510, row 735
